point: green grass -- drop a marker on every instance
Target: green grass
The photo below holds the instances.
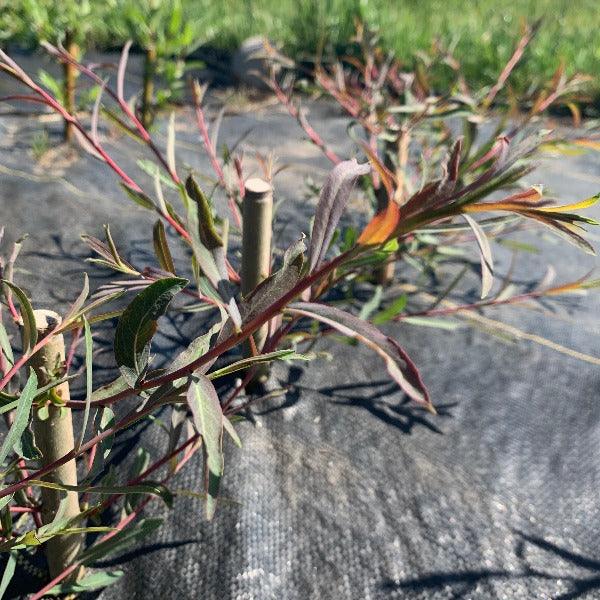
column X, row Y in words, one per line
column 483, row 32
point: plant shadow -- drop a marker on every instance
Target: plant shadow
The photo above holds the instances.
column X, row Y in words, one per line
column 378, row 398
column 462, row 584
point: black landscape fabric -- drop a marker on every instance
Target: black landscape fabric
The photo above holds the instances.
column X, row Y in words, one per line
column 343, row 489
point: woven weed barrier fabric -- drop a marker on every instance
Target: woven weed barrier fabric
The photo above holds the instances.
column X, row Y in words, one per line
column 343, row 489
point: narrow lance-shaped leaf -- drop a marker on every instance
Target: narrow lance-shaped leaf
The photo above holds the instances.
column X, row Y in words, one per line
column 21, row 421
column 208, row 247
column 197, row 348
column 89, row 359
column 332, row 201
column 78, row 304
column 278, row 284
column 5, row 345
column 9, row 571
column 138, row 324
column 271, row 289
column 121, row 540
column 144, row 488
column 381, row 227
column 161, row 248
column 555, row 217
column 29, row 328
column 398, row 363
column 244, row 363
column 208, row 420
column 138, row 197
column 90, row 583
column 206, row 226
column 232, row 432
column 485, row 254
column 104, row 420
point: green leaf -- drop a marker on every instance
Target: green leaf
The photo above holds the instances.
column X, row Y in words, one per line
column 208, row 420
column 148, row 487
column 29, row 328
column 153, row 170
column 52, row 84
column 105, row 419
column 138, row 197
column 26, row 448
column 21, row 421
column 287, row 354
column 519, row 246
column 232, row 432
column 161, row 248
column 89, row 359
column 9, row 571
column 204, row 257
column 94, row 581
column 197, row 348
column 121, row 540
column 207, row 230
column 372, row 305
column 395, row 308
column 140, row 463
column 110, row 389
column 5, row 345
column 431, row 322
column 138, row 324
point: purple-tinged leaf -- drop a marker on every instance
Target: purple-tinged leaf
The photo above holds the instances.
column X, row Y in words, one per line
column 398, row 363
column 208, row 420
column 454, row 161
column 332, row 201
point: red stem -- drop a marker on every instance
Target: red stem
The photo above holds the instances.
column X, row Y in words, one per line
column 128, row 519
column 19, row 363
column 217, row 351
column 212, row 155
column 294, row 112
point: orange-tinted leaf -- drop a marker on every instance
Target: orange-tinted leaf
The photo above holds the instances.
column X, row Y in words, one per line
column 381, row 226
column 530, row 195
column 387, row 178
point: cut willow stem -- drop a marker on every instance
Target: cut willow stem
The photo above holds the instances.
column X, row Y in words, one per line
column 54, row 438
column 257, row 216
column 70, row 74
